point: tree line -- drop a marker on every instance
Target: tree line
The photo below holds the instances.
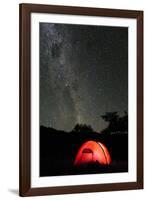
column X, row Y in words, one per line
column 116, row 124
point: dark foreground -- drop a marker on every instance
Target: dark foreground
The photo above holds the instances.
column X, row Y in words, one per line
column 58, row 150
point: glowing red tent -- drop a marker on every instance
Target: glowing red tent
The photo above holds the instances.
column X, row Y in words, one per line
column 92, row 152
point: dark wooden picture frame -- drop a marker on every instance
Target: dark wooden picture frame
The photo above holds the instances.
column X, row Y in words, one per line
column 25, row 99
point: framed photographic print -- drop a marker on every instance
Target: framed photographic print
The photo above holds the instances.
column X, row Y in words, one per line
column 81, row 99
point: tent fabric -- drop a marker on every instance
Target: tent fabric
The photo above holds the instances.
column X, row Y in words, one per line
column 92, row 152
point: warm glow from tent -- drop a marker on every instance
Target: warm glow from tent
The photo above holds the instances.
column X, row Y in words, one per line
column 93, row 152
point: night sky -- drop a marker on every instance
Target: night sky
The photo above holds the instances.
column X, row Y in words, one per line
column 83, row 74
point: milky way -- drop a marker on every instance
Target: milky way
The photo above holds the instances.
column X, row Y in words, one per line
column 83, row 74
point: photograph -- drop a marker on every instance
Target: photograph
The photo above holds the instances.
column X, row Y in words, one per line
column 83, row 99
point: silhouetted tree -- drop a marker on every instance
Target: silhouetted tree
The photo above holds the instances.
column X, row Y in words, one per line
column 115, row 122
column 123, row 122
column 82, row 127
column 110, row 116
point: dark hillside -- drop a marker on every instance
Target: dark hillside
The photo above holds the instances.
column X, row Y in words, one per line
column 59, row 148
